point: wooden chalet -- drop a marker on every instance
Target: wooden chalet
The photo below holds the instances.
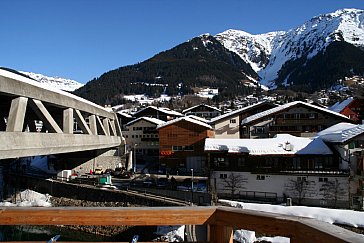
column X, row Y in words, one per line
column 181, row 145
column 296, row 118
column 352, row 108
column 228, row 125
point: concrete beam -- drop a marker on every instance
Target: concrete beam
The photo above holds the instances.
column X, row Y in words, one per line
column 82, row 123
column 68, row 121
column 101, row 125
column 23, row 144
column 62, row 99
column 43, row 114
column 17, row 114
column 106, row 126
column 93, row 124
column 113, row 129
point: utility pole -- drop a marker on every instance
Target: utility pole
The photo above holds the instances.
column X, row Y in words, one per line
column 191, row 186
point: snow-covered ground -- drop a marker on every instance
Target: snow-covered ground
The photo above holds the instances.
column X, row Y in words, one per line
column 29, row 198
column 337, row 216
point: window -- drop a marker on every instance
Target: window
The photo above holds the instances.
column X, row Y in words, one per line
column 260, row 177
column 223, row 176
column 221, row 162
column 232, row 120
column 259, row 130
column 182, row 148
column 301, row 178
column 177, row 148
column 323, row 179
column 241, row 162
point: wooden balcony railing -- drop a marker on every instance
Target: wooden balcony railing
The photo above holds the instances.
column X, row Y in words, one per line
column 221, row 221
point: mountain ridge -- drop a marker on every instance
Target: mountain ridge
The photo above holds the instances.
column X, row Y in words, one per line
column 307, row 40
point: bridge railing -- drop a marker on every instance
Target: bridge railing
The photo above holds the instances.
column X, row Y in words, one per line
column 30, row 113
column 221, row 221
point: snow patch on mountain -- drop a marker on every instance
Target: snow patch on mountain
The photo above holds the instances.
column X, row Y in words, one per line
column 56, row 82
column 267, row 53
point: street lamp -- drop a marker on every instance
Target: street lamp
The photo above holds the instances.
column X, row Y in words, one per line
column 135, row 157
column 191, row 186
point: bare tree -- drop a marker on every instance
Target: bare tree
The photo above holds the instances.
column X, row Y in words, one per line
column 233, row 182
column 298, row 188
column 331, row 191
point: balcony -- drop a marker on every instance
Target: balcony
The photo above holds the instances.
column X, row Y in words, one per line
column 221, row 221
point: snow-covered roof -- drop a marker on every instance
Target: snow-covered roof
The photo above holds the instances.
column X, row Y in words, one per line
column 124, row 114
column 238, row 111
column 149, row 119
column 198, row 118
column 46, row 86
column 339, row 106
column 341, row 133
column 161, row 109
column 286, row 106
column 282, row 144
column 184, row 118
column 193, row 107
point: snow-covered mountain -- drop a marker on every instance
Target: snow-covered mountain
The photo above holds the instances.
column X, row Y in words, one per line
column 267, row 53
column 56, row 82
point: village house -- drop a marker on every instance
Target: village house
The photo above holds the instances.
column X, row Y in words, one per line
column 181, row 145
column 305, row 170
column 228, row 125
column 348, row 140
column 296, row 118
column 202, row 110
column 142, row 142
column 352, row 108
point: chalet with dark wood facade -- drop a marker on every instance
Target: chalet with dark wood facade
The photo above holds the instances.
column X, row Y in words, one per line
column 228, row 125
column 181, row 145
column 296, row 118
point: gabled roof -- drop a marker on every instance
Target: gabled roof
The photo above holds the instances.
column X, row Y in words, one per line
column 185, row 118
column 236, row 112
column 208, row 106
column 282, row 144
column 339, row 106
column 149, row 119
column 287, row 106
column 160, row 109
column 341, row 133
column 121, row 113
column 198, row 118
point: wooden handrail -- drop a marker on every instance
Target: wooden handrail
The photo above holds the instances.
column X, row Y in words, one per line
column 221, row 221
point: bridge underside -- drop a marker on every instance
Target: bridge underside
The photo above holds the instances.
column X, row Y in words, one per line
column 20, row 144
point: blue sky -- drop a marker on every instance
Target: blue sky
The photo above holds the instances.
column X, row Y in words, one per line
column 82, row 39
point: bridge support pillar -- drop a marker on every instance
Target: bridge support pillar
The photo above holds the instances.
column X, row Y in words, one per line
column 68, row 120
column 93, row 124
column 17, row 114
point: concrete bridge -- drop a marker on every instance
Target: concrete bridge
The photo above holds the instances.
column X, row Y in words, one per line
column 40, row 120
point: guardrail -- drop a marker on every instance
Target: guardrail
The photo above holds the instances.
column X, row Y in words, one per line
column 221, row 221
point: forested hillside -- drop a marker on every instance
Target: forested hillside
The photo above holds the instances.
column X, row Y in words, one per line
column 202, row 61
